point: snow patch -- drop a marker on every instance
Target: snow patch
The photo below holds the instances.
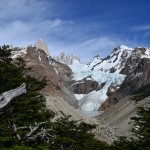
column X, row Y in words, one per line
column 79, row 96
column 90, row 113
column 56, row 71
column 19, row 53
column 89, row 79
column 39, row 58
column 123, row 47
column 78, row 67
column 79, row 82
column 147, row 52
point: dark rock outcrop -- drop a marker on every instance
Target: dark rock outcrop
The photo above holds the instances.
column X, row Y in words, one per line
column 137, row 70
column 84, row 87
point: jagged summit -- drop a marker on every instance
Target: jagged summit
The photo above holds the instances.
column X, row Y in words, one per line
column 116, row 61
column 42, row 45
column 67, row 59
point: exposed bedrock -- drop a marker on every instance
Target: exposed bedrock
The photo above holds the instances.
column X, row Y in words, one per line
column 138, row 75
column 85, row 86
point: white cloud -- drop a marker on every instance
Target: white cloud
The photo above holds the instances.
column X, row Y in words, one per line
column 25, row 9
column 19, row 32
column 25, row 21
column 55, row 32
column 140, row 28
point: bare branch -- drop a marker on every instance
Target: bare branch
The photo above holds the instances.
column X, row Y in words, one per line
column 6, row 97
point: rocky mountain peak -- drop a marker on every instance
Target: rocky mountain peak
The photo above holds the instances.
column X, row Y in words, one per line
column 67, row 59
column 116, row 61
column 42, row 45
column 43, row 66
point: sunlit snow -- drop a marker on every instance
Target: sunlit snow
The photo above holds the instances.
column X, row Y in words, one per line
column 79, row 96
column 19, row 53
column 94, row 99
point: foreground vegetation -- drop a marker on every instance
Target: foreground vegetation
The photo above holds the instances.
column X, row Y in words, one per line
column 25, row 124
column 141, row 93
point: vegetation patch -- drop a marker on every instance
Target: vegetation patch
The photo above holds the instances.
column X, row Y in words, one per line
column 141, row 93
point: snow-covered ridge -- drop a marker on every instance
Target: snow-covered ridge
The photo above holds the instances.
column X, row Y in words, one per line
column 112, row 63
column 116, row 61
column 94, row 61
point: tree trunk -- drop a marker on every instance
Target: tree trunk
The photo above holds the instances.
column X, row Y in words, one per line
column 6, row 97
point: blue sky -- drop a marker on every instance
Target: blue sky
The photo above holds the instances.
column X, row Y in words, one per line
column 83, row 27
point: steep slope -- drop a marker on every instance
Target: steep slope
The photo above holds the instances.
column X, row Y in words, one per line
column 117, row 60
column 137, row 77
column 115, row 121
column 94, row 61
column 42, row 66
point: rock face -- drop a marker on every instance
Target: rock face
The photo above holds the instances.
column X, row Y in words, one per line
column 84, row 87
column 42, row 45
column 58, row 75
column 137, row 77
column 67, row 59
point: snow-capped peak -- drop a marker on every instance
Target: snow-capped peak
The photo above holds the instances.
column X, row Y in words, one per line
column 123, row 47
column 116, row 61
column 94, row 61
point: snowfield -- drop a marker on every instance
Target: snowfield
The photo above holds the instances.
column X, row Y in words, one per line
column 90, row 103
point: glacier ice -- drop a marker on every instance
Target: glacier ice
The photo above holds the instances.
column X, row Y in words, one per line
column 94, row 99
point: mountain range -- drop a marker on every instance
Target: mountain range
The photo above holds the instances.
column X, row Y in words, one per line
column 102, row 78
column 98, row 92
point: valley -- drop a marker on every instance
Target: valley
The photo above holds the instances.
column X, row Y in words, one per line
column 86, row 91
column 101, row 96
